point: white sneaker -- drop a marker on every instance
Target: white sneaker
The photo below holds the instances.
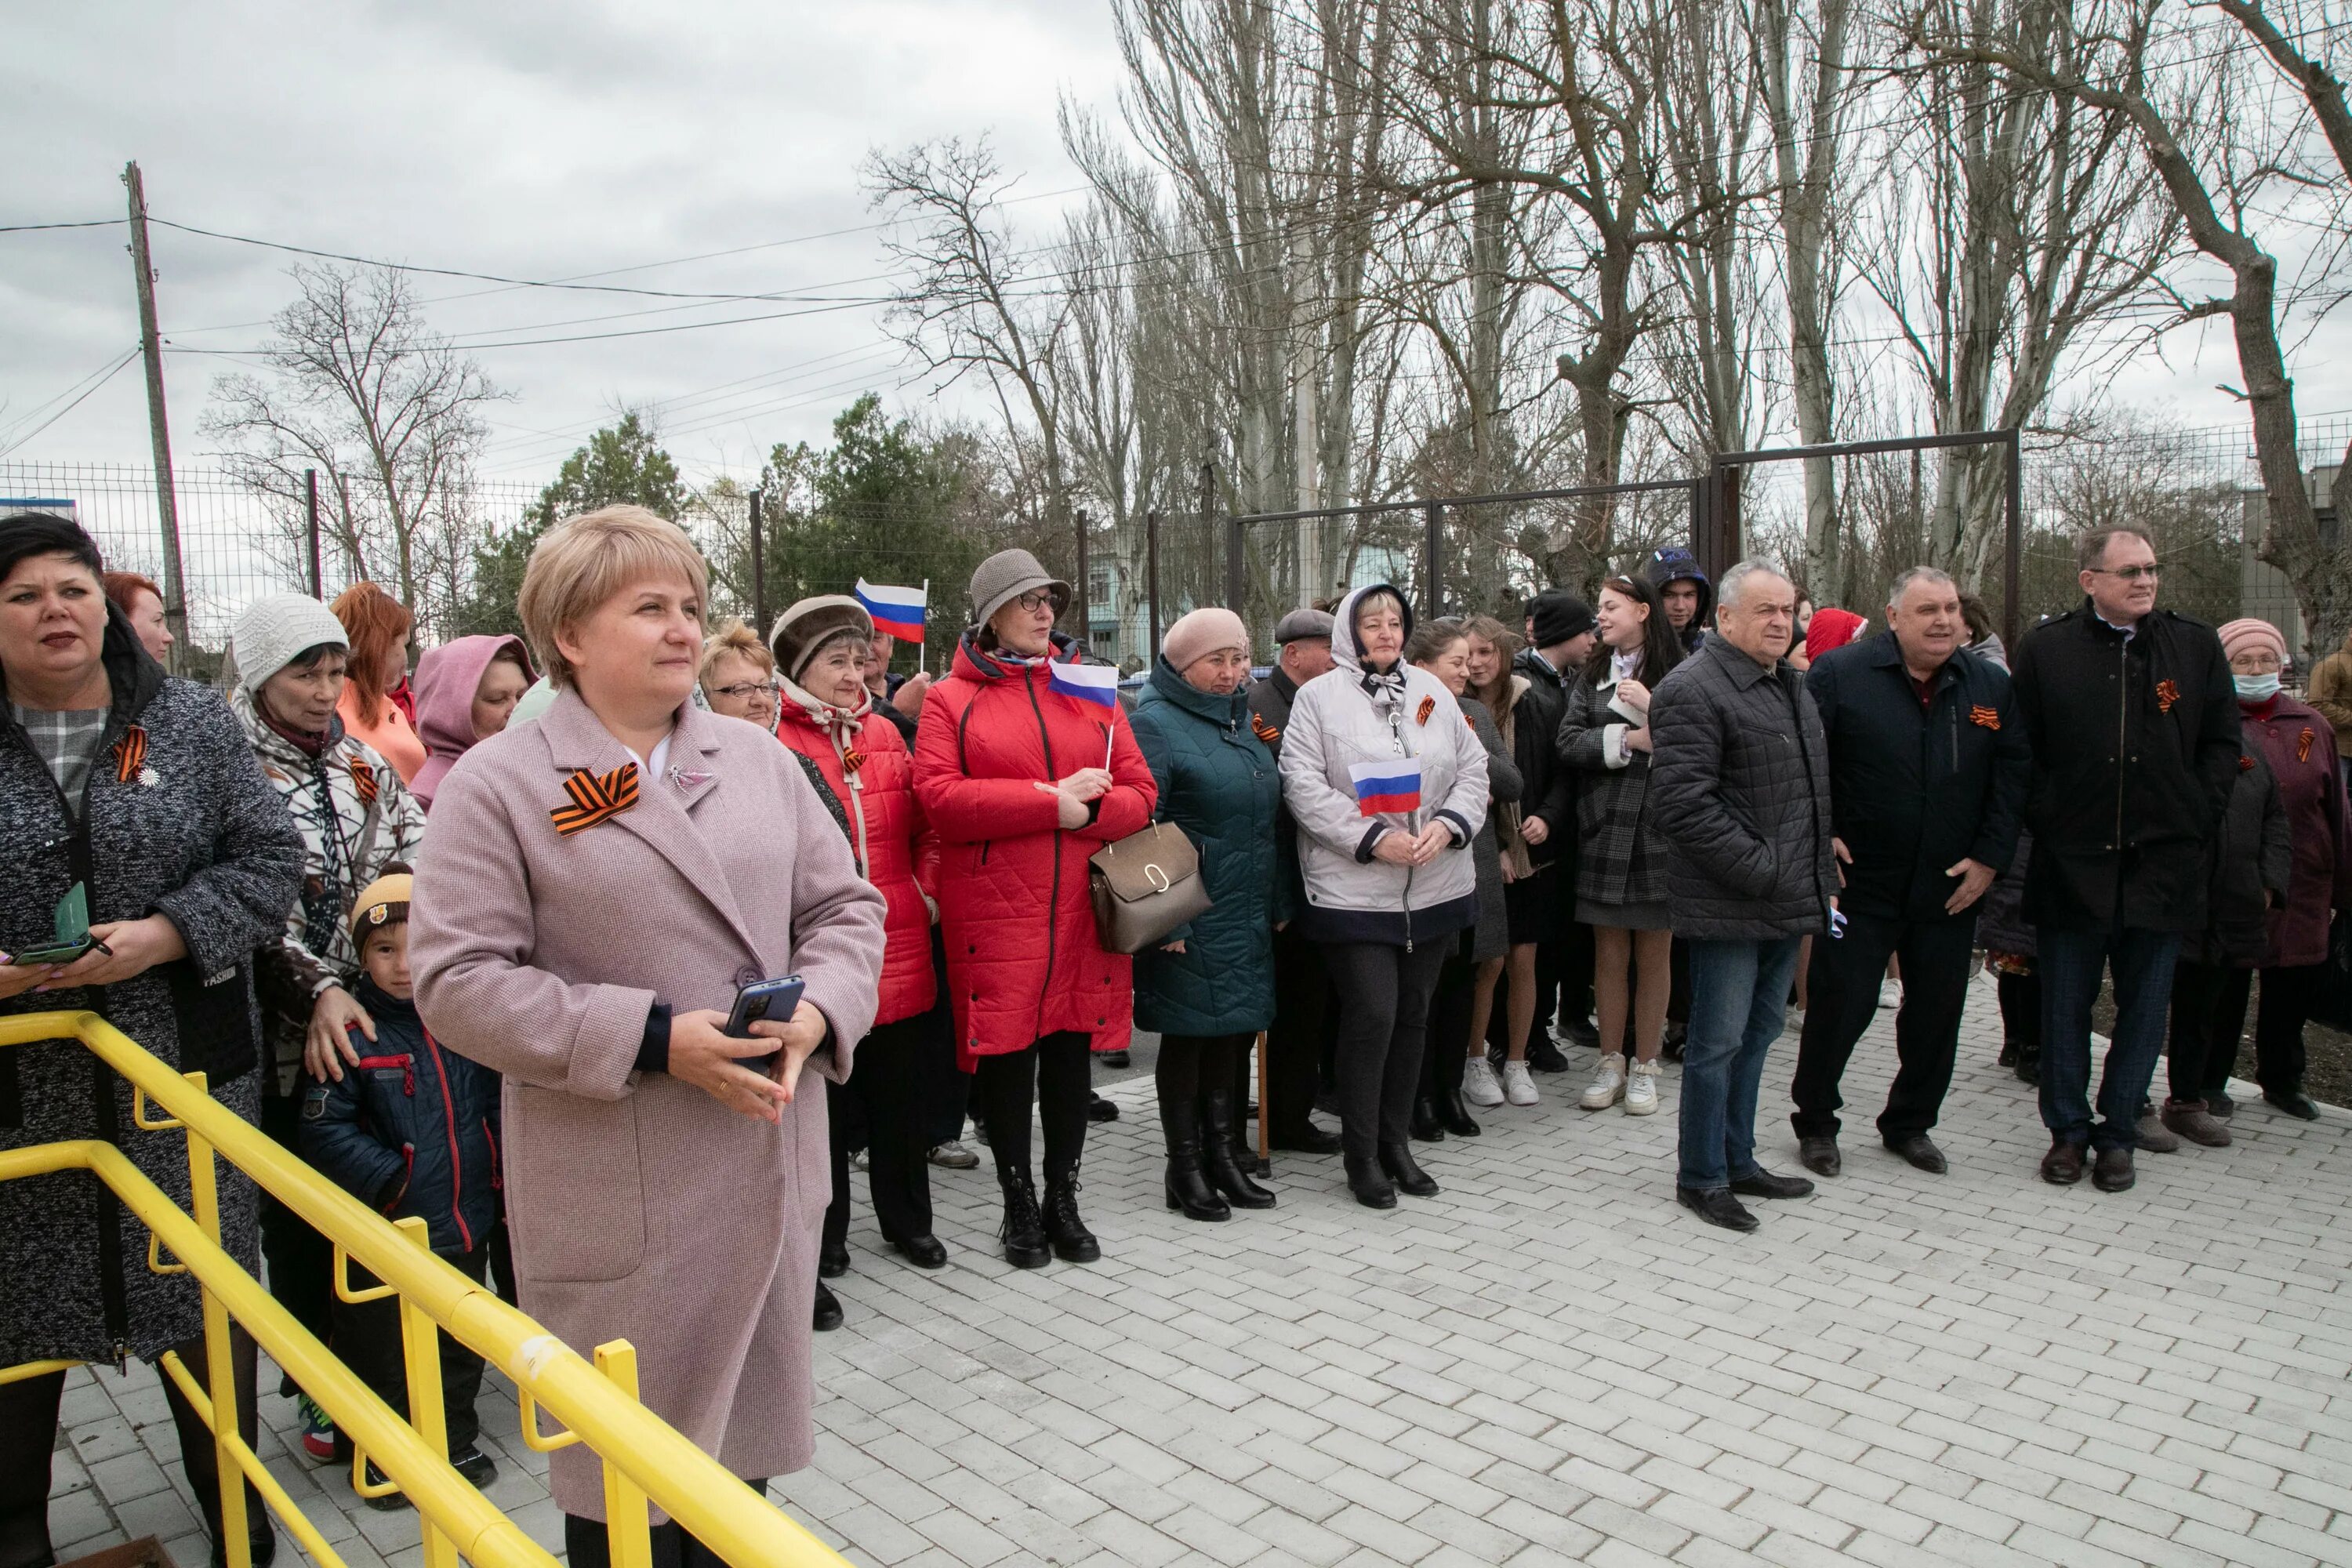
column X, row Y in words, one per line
column 1641, row 1090
column 1479, row 1085
column 1890, row 995
column 1608, row 1083
column 1519, row 1084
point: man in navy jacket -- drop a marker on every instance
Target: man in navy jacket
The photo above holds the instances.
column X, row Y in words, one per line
column 1928, row 769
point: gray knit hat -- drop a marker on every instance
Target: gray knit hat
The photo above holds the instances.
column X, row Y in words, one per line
column 1302, row 625
column 1004, row 577
column 810, row 624
column 273, row 631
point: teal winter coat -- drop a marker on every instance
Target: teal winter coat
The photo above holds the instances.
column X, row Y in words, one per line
column 1219, row 783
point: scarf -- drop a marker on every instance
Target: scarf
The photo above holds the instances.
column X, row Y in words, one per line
column 311, row 743
column 1623, row 666
column 841, row 727
column 1385, row 689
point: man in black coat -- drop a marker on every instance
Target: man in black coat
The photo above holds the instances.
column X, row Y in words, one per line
column 1559, row 637
column 1306, row 1013
column 1739, row 788
column 2133, row 724
column 1928, row 768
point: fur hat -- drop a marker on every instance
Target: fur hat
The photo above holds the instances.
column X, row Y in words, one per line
column 810, row 624
column 273, row 631
column 1202, row 632
column 1005, row 576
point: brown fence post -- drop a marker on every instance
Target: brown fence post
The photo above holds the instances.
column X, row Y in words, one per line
column 758, row 572
column 310, row 531
column 1433, row 594
column 1151, row 577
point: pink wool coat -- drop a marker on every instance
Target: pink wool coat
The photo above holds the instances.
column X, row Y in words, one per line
column 641, row 1209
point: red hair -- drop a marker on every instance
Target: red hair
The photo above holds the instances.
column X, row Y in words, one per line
column 373, row 620
column 124, row 589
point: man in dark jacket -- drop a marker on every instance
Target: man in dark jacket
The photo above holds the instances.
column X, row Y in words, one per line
column 2134, row 724
column 1739, row 788
column 1559, row 637
column 1928, row 775
column 1305, row 1009
column 1689, row 598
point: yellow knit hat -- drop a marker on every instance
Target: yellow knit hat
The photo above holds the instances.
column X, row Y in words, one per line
column 384, row 903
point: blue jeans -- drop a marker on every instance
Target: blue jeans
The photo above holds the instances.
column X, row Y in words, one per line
column 2071, row 964
column 1739, row 995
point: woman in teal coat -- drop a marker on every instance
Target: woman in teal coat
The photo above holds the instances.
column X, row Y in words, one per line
column 1209, row 988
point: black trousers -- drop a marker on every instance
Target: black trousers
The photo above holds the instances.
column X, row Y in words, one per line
column 368, row 1340
column 2209, row 1019
column 1304, row 1031
column 1563, row 954
column 945, row 1092
column 1054, row 1073
column 1842, row 988
column 1384, row 996
column 2020, row 1011
column 301, row 1262
column 1446, row 1050
column 885, row 1086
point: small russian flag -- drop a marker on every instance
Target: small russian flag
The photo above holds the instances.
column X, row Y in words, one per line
column 1387, row 786
column 897, row 611
column 1097, row 683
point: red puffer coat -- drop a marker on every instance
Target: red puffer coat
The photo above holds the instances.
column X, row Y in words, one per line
column 899, row 856
column 1023, row 961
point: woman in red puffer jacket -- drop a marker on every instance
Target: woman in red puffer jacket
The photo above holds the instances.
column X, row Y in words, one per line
column 1023, row 783
column 820, row 648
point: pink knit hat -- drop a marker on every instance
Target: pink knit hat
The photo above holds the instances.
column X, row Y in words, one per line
column 1200, row 633
column 2252, row 631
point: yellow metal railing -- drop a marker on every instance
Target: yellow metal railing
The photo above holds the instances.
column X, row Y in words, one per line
column 644, row 1458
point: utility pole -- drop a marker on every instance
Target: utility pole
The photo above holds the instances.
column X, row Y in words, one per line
column 758, row 572
column 1084, row 609
column 175, row 593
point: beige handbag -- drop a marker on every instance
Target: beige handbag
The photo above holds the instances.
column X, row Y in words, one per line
column 1145, row 886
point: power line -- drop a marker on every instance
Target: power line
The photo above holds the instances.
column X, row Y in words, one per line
column 114, row 370
column 37, row 227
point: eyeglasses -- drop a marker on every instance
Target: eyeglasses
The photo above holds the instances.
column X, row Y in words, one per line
column 748, row 690
column 2148, row 573
column 1034, row 600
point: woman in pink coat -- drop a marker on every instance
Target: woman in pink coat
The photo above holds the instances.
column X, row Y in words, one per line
column 600, row 882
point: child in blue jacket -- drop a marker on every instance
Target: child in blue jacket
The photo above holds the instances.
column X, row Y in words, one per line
column 412, row 1130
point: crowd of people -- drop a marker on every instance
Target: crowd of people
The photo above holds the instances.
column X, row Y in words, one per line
column 468, row 939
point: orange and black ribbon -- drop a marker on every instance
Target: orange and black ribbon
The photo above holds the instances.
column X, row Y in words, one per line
column 851, row 760
column 2167, row 694
column 131, row 754
column 1428, row 706
column 1987, row 717
column 2303, row 745
column 364, row 778
column 1265, row 731
column 594, row 797
column 2246, row 764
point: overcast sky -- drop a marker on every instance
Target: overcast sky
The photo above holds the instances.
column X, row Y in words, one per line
column 538, row 140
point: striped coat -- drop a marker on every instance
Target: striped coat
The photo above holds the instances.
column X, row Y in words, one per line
column 1621, row 856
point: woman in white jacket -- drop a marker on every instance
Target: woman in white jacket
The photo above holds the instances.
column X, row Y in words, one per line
column 1387, row 782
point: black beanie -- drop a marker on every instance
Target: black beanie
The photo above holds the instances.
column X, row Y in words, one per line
column 1559, row 615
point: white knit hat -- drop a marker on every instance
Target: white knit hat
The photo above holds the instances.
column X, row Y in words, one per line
column 273, row 631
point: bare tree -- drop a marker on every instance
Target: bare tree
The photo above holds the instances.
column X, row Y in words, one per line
column 2219, row 159
column 384, row 409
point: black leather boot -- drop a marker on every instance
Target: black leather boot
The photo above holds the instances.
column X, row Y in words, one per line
column 1073, row 1242
column 1426, row 1127
column 1226, row 1173
column 1396, row 1160
column 1453, row 1113
column 1188, row 1185
column 1371, row 1188
column 1024, row 1233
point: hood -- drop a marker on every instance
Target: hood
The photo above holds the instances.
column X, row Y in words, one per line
column 446, row 678
column 1343, row 629
column 983, row 665
column 1832, row 628
column 1671, row 561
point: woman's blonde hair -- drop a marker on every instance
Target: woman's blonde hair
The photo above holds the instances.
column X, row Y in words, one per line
column 734, row 637
column 583, row 561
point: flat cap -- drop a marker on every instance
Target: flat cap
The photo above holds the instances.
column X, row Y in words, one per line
column 1302, row 624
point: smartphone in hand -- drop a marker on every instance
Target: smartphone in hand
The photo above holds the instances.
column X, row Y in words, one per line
column 778, row 999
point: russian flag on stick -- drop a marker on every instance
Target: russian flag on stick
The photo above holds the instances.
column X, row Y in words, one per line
column 897, row 611
column 1387, row 786
column 1096, row 683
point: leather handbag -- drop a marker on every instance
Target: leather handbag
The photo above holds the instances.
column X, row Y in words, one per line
column 1145, row 886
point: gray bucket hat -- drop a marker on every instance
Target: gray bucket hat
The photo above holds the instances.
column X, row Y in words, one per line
column 1005, row 576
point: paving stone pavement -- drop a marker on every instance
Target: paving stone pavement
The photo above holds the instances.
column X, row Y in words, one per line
column 1549, row 1362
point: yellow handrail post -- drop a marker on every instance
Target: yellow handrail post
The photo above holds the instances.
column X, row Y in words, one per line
column 220, row 1359
column 420, row 1343
column 628, row 1529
